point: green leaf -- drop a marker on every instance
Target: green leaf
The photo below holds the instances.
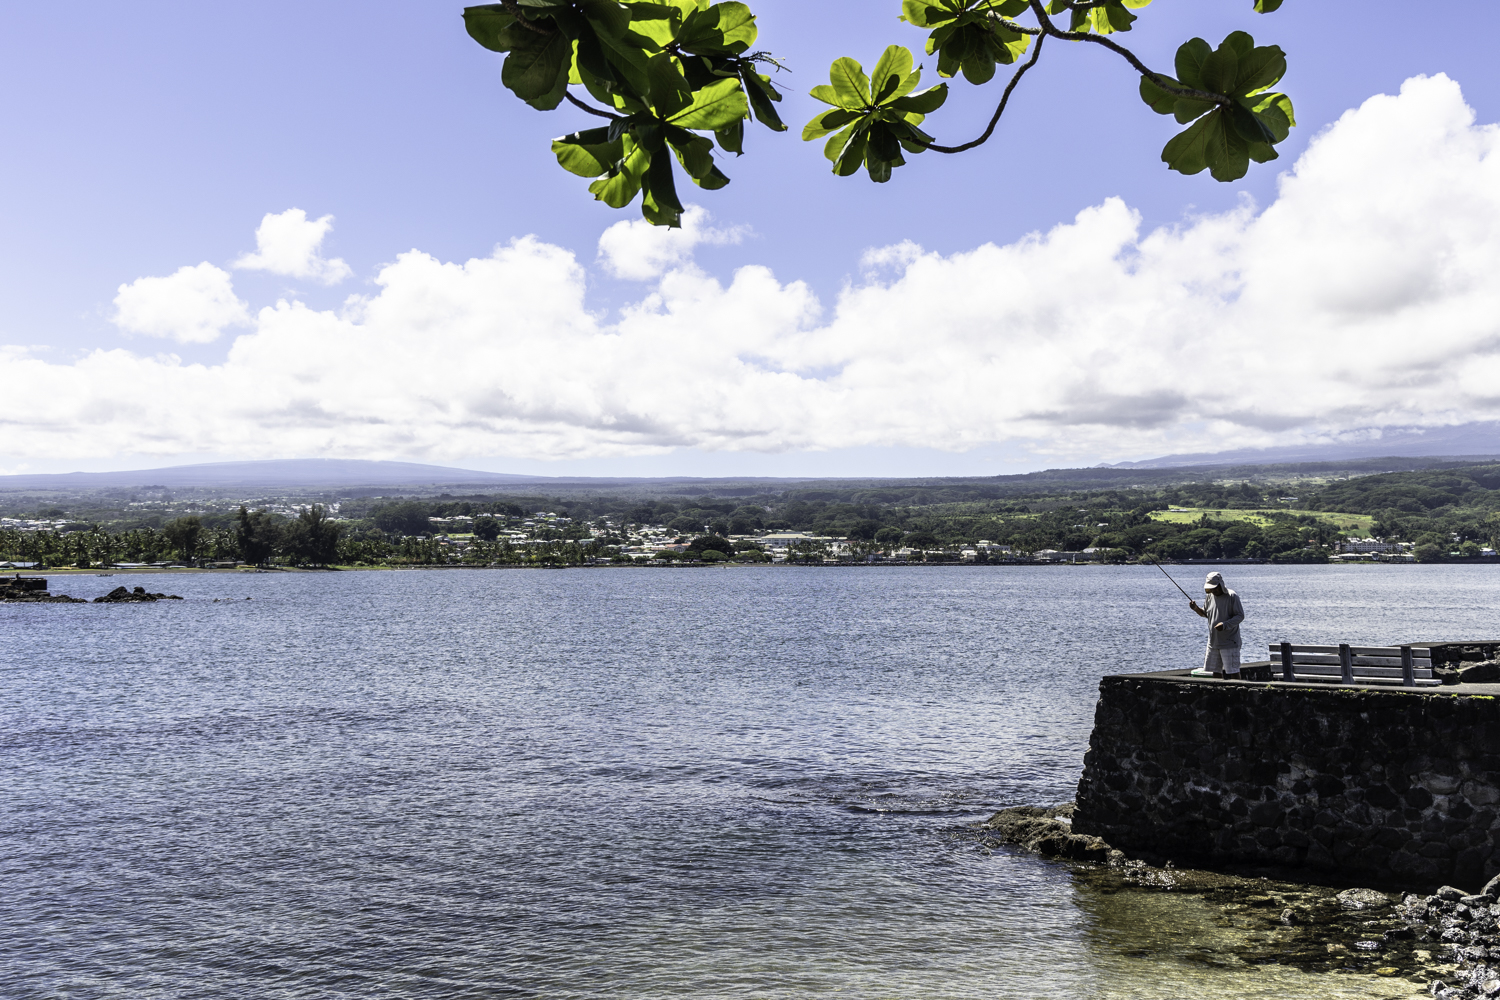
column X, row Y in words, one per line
column 927, row 13
column 824, row 92
column 853, row 154
column 979, row 66
column 891, row 70
column 661, row 205
column 695, row 152
column 630, row 61
column 711, row 181
column 588, row 153
column 1248, row 124
column 1260, row 69
column 884, row 145
column 1220, row 70
column 722, row 29
column 1186, row 152
column 1160, row 101
column 621, row 187
column 606, row 16
column 1262, row 152
column 714, row 106
column 1190, row 58
column 670, row 92
column 489, row 25
column 1267, row 6
column 536, row 70
column 761, row 94
column 1276, row 111
column 1188, row 109
column 731, row 137
column 833, row 149
column 850, row 85
column 924, row 103
column 1210, row 143
column 655, row 21
column 828, row 121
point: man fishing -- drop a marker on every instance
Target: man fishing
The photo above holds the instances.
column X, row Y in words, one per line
column 1224, row 613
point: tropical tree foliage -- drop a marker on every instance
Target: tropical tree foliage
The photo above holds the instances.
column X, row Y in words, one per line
column 676, row 81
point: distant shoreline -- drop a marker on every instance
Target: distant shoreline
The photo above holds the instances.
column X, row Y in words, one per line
column 182, row 570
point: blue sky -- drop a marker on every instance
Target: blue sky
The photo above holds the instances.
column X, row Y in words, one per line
column 144, row 138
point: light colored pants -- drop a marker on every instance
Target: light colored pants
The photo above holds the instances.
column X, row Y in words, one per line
column 1226, row 659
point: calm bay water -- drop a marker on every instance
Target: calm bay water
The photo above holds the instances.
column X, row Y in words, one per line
column 733, row 782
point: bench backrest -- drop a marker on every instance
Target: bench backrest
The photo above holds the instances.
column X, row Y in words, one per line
column 1348, row 662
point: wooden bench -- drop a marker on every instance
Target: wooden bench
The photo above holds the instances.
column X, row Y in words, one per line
column 1407, row 666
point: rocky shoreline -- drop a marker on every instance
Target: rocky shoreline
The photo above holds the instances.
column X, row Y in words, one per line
column 1447, row 942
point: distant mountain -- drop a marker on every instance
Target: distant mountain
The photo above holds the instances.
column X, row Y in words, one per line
column 1476, row 442
column 302, row 473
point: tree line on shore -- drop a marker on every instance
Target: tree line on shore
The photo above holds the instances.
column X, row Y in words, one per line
column 1446, row 513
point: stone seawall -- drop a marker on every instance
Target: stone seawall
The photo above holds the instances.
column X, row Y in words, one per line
column 1397, row 787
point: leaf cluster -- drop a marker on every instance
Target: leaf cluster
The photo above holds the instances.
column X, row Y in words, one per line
column 675, row 75
column 972, row 36
column 874, row 117
column 1244, row 124
column 1103, row 17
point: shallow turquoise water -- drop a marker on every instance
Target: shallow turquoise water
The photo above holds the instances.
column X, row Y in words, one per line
column 748, row 781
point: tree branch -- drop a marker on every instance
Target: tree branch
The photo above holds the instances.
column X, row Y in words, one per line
column 1036, row 54
column 1013, row 26
column 590, row 109
column 514, row 9
column 1083, row 36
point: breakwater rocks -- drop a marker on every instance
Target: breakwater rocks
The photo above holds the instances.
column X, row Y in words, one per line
column 124, row 595
column 1395, row 787
column 1464, row 662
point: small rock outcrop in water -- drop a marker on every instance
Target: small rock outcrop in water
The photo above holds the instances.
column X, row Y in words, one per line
column 1048, row 832
column 122, row 595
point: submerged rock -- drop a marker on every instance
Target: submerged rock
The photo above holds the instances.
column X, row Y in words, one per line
column 1362, row 899
column 1448, row 939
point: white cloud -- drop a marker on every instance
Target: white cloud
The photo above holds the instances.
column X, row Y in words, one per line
column 1361, row 298
column 288, row 244
column 191, row 306
column 638, row 251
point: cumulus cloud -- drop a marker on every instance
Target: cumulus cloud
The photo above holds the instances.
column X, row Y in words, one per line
column 638, row 251
column 1361, row 298
column 192, row 306
column 288, row 244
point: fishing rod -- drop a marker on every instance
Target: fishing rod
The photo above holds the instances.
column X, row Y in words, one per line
column 1174, row 582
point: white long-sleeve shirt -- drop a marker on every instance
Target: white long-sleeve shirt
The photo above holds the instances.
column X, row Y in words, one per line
column 1224, row 608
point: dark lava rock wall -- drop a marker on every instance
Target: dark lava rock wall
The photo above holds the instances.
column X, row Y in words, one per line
column 1394, row 787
